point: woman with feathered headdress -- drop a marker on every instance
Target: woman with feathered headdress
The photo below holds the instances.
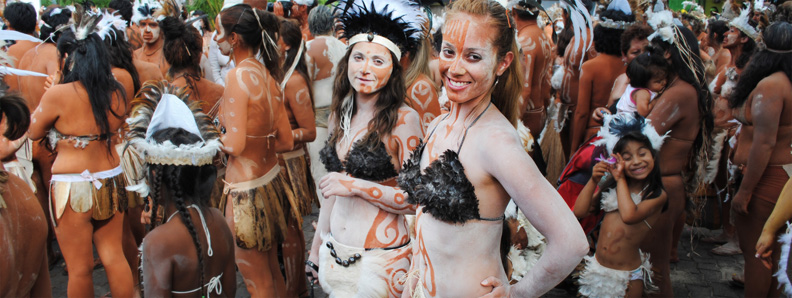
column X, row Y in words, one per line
column 254, row 127
column 362, row 244
column 80, row 117
column 689, row 122
column 178, row 144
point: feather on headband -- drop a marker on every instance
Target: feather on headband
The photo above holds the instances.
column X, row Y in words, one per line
column 741, row 23
column 144, row 9
column 616, row 126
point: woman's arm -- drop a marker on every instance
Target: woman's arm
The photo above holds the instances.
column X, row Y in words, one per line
column 782, row 212
column 405, row 138
column 542, row 205
column 582, row 111
column 322, row 228
column 284, row 140
column 234, row 115
column 766, row 115
column 45, row 115
column 301, row 105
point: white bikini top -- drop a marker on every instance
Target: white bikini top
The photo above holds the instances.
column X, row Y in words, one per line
column 214, row 283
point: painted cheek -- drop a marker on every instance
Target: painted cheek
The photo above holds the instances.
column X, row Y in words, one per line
column 381, row 76
column 155, row 32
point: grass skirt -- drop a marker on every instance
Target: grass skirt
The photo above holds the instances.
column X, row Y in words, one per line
column 83, row 196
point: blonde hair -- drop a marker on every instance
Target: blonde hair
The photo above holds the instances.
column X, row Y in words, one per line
column 508, row 86
column 420, row 64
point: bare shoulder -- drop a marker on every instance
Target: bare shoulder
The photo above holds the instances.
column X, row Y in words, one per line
column 777, row 83
column 408, row 116
column 161, row 243
column 296, row 82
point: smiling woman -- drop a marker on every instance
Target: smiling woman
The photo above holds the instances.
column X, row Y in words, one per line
column 362, row 246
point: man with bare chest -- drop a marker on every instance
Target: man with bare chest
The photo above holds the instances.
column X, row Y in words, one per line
column 150, row 32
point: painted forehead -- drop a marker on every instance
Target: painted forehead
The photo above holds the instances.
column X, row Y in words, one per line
column 372, row 49
column 468, row 31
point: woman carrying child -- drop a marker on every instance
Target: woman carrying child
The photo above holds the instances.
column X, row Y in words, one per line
column 632, row 197
column 647, row 79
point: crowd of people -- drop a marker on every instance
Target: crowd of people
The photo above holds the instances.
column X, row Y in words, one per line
column 186, row 147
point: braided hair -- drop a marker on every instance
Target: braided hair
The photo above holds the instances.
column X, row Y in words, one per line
column 187, row 185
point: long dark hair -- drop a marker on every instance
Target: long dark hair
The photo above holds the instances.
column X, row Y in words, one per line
column 14, row 108
column 187, row 185
column 121, row 56
column 182, row 50
column 686, row 63
column 777, row 36
column 292, row 37
column 748, row 49
column 87, row 61
column 248, row 22
column 654, row 179
column 390, row 98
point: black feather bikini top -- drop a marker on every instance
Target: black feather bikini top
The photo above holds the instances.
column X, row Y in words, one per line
column 443, row 190
column 364, row 162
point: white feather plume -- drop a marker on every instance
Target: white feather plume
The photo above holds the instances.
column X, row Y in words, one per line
column 16, row 35
column 609, row 139
column 785, row 242
column 714, row 163
column 663, row 24
column 741, row 22
column 581, row 22
column 107, row 23
column 620, row 5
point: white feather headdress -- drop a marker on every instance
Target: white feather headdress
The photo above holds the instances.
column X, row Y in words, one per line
column 581, row 21
column 144, row 9
column 663, row 24
column 109, row 21
column 616, row 126
column 741, row 22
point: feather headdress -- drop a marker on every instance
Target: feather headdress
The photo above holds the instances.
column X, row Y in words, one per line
column 396, row 25
column 581, row 21
column 741, row 22
column 530, row 6
column 144, row 9
column 109, row 22
column 84, row 21
column 617, row 5
column 159, row 106
column 170, row 8
column 616, row 126
column 663, row 24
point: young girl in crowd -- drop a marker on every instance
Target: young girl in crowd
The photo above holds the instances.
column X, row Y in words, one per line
column 647, row 78
column 632, row 197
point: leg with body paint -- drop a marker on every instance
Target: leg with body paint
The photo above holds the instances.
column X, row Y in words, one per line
column 294, row 259
column 259, row 269
column 108, row 236
column 658, row 242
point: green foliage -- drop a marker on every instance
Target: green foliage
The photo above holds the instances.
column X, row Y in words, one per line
column 98, row 3
column 210, row 7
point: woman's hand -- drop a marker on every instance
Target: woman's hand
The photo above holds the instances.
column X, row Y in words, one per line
column 311, row 272
column 336, row 184
column 764, row 249
column 499, row 289
column 617, row 169
column 740, row 202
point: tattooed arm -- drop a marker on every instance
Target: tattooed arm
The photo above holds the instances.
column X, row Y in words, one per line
column 405, row 138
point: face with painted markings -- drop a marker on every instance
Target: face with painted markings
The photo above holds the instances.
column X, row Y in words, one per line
column 468, row 58
column 369, row 68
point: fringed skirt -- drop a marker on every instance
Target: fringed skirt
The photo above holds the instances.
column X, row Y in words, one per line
column 103, row 193
column 377, row 273
column 597, row 281
column 259, row 220
column 302, row 183
column 134, row 172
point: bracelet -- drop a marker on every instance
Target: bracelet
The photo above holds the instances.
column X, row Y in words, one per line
column 312, row 265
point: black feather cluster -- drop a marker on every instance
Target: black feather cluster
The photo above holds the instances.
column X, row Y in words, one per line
column 444, row 191
column 620, row 126
column 373, row 164
column 329, row 158
column 364, row 19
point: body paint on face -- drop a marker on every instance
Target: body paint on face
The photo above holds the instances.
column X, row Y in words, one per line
column 468, row 58
column 149, row 31
column 220, row 38
column 370, row 67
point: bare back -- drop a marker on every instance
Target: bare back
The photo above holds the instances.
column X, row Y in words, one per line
column 42, row 59
column 676, row 111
